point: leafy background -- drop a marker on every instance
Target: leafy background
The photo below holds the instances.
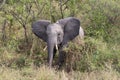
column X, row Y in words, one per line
column 22, row 54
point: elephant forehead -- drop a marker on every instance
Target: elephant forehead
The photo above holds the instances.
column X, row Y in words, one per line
column 54, row 28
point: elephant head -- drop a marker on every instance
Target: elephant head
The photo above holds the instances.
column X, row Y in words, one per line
column 56, row 34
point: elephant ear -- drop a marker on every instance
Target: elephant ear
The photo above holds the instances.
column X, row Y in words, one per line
column 39, row 29
column 71, row 30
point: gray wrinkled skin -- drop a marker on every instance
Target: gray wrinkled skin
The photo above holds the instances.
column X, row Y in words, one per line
column 55, row 30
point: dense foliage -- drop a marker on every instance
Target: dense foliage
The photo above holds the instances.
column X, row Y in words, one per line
column 100, row 19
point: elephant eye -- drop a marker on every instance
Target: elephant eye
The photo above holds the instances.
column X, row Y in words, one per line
column 58, row 34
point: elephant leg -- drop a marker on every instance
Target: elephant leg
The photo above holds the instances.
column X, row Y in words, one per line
column 62, row 57
column 54, row 52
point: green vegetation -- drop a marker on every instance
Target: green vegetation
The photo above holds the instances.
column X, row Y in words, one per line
column 44, row 73
column 97, row 57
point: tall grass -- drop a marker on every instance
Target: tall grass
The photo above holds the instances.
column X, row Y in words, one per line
column 45, row 73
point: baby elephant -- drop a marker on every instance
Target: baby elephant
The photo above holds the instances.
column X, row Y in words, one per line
column 56, row 35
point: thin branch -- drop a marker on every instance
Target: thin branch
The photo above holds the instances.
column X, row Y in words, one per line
column 3, row 30
column 61, row 6
column 38, row 7
column 61, row 10
column 41, row 9
column 17, row 18
column 37, row 4
column 2, row 2
column 29, row 10
column 65, row 2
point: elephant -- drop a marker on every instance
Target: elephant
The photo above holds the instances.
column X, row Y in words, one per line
column 56, row 35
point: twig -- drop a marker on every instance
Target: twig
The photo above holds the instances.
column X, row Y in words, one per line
column 3, row 30
column 62, row 16
column 65, row 2
column 41, row 9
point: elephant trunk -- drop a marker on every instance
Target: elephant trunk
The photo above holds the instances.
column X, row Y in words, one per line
column 51, row 45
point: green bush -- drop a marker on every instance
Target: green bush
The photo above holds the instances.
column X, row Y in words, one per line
column 99, row 18
column 93, row 55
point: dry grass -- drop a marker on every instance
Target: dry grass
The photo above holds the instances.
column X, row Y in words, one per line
column 45, row 73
